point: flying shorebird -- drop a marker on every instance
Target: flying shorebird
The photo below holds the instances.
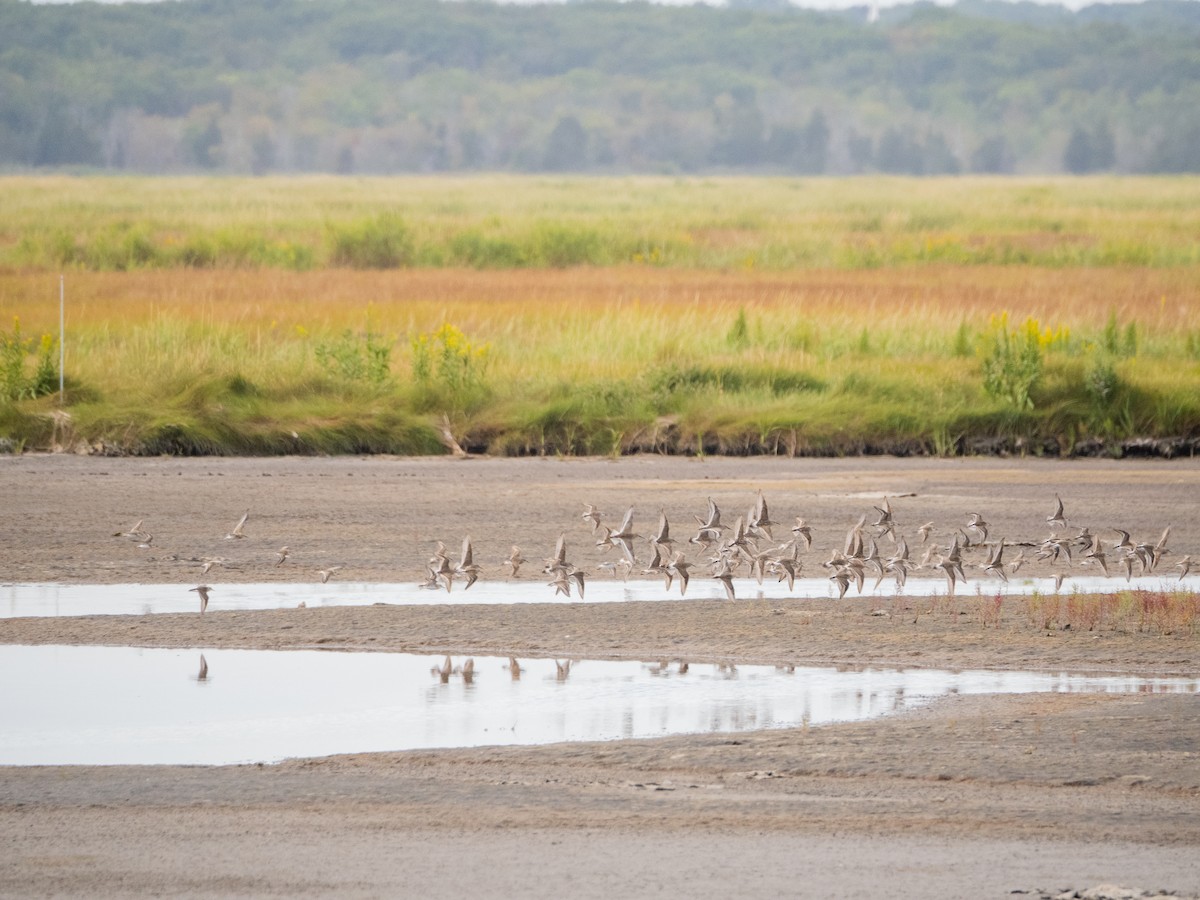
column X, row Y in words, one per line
column 724, row 574
column 662, row 534
column 578, row 576
column 134, row 533
column 951, row 570
column 842, row 579
column 466, row 566
column 1159, row 550
column 758, row 520
column 785, row 569
column 885, row 520
column 592, row 515
column 995, row 562
column 561, row 584
column 975, row 522
column 325, row 573
column 658, row 564
column 514, row 560
column 713, row 519
column 282, row 553
column 439, row 568
column 557, row 562
column 924, row 531
column 679, row 568
column 623, row 536
column 1057, row 520
column 803, row 531
column 620, row 568
column 1096, row 552
column 1185, row 565
column 706, row 537
column 209, row 562
column 854, row 537
column 202, row 590
column 1127, row 561
column 1125, row 545
column 237, row 529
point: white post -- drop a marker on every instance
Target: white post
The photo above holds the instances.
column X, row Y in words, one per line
column 62, row 338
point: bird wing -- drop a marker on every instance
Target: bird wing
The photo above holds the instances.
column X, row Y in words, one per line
column 466, row 552
column 1162, row 541
column 727, row 580
column 664, row 529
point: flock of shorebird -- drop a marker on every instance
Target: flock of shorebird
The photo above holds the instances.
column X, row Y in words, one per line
column 750, row 544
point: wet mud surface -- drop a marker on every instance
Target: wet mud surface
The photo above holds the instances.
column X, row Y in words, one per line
column 974, row 796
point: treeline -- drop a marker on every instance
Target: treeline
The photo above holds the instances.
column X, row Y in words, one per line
column 376, row 87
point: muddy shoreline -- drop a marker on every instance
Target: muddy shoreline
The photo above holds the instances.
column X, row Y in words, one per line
column 974, row 796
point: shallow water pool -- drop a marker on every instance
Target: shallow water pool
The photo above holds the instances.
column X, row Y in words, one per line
column 120, row 705
column 51, row 599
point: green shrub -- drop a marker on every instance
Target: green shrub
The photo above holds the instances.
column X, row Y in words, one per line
column 1012, row 362
column 15, row 384
column 478, row 250
column 1101, row 382
column 382, row 242
column 364, row 358
column 559, row 246
column 448, row 370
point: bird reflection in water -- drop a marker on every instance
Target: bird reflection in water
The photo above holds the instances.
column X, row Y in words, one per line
column 202, row 675
column 447, row 668
column 662, row 667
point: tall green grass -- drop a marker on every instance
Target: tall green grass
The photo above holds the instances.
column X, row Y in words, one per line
column 502, row 222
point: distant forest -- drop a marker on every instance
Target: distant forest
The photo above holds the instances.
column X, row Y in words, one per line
column 378, row 86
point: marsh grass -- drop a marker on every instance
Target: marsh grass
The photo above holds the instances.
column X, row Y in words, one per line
column 603, row 361
column 606, row 316
column 502, row 222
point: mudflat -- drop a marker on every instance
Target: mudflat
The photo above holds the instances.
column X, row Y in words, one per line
column 973, row 796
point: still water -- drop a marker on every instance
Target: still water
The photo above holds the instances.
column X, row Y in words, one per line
column 123, row 705
column 49, row 599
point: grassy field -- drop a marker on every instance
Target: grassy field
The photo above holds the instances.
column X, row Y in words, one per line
column 499, row 222
column 601, row 315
